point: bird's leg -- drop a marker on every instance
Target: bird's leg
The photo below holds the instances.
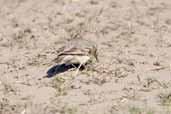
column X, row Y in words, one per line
column 74, row 66
column 78, row 69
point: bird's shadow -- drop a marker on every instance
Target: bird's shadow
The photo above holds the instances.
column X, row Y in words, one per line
column 57, row 69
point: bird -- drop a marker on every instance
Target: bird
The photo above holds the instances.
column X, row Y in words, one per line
column 77, row 51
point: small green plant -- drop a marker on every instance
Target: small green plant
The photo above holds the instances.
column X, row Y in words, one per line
column 165, row 99
column 58, row 84
column 69, row 110
column 72, row 110
column 135, row 110
column 150, row 112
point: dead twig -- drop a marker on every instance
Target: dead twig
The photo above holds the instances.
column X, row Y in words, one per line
column 159, row 68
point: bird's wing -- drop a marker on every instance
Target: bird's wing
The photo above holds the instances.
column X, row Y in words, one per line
column 74, row 51
column 70, row 51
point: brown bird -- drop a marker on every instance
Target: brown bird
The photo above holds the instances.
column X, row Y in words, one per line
column 77, row 51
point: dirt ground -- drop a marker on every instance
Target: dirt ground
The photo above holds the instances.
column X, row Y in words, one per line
column 133, row 75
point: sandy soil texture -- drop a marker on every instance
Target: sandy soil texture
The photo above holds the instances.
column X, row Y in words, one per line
column 133, row 75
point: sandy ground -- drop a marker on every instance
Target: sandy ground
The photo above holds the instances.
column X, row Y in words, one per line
column 133, row 75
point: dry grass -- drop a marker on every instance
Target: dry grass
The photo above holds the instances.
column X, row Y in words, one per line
column 133, row 38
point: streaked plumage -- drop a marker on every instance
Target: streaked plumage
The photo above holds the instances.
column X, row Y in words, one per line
column 77, row 51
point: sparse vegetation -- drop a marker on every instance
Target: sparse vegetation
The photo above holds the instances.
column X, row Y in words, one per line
column 134, row 45
column 68, row 110
column 59, row 84
column 165, row 99
column 136, row 110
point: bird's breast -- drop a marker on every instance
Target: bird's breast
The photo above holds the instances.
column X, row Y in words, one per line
column 76, row 59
